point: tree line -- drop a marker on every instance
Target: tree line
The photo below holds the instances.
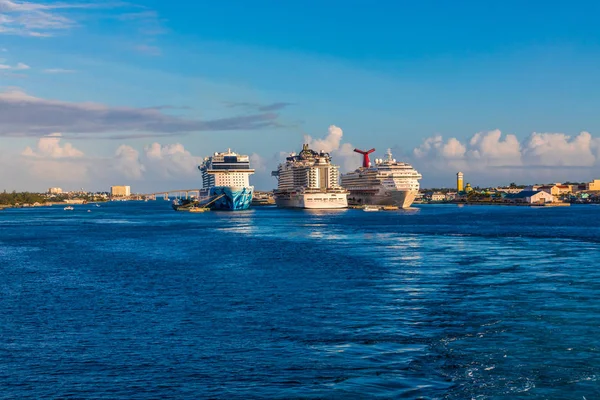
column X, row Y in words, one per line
column 21, row 198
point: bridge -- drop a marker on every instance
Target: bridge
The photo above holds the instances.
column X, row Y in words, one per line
column 182, row 194
column 179, row 193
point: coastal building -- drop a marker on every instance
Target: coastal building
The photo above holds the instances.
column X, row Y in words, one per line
column 459, row 182
column 437, row 196
column 451, row 196
column 576, row 188
column 556, row 190
column 530, row 197
column 120, row 191
column 593, row 186
column 55, row 190
column 75, row 201
column 509, row 190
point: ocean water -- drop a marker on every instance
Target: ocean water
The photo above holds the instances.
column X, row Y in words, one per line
column 135, row 301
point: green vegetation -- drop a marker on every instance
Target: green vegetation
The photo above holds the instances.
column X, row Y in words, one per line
column 21, row 198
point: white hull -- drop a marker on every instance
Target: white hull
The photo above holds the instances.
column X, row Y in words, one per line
column 400, row 198
column 312, row 200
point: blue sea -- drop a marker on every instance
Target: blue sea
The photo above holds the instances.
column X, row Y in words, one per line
column 135, row 301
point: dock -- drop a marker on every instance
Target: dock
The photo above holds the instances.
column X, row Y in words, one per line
column 379, row 208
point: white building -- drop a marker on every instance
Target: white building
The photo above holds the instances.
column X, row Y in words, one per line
column 531, row 197
column 438, row 196
column 55, row 190
column 509, row 190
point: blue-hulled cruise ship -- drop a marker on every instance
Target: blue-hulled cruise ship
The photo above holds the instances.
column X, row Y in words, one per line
column 226, row 181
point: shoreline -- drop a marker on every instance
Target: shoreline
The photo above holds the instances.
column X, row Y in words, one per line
column 491, row 203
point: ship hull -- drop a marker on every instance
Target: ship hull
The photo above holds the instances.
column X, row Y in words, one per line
column 399, row 198
column 312, row 200
column 230, row 198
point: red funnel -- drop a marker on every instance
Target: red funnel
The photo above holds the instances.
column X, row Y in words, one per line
column 366, row 161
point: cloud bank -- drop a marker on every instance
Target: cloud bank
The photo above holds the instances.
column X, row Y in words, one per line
column 25, row 115
column 487, row 159
column 491, row 157
column 54, row 162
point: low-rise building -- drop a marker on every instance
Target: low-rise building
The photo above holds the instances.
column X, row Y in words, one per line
column 530, row 197
column 75, row 201
column 575, row 188
column 437, row 196
column 556, row 189
column 593, row 185
column 120, row 191
column 510, row 190
column 450, row 196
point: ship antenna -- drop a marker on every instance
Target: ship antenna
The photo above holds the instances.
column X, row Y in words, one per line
column 366, row 161
column 389, row 154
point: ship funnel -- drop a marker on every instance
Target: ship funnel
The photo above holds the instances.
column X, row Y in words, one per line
column 366, row 161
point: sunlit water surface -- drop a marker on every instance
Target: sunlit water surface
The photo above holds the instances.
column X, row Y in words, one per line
column 133, row 300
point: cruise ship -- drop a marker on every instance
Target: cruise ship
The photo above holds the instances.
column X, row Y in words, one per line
column 226, row 181
column 309, row 180
column 388, row 182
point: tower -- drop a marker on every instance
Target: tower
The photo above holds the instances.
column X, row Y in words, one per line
column 459, row 182
column 366, row 161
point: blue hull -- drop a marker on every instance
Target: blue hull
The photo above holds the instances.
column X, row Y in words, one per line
column 233, row 200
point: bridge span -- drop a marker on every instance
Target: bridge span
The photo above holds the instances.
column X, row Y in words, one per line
column 179, row 193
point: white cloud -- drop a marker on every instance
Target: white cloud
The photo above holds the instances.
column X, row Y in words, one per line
column 558, row 149
column 329, row 143
column 127, row 163
column 155, row 167
column 342, row 153
column 489, row 147
column 258, row 163
column 19, row 67
column 51, row 160
column 487, row 156
column 42, row 18
column 34, row 18
column 58, row 71
column 50, row 146
column 171, row 161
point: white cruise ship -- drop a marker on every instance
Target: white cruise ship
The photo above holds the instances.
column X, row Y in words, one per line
column 388, row 182
column 226, row 181
column 309, row 180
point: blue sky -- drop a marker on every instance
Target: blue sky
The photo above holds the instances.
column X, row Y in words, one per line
column 258, row 76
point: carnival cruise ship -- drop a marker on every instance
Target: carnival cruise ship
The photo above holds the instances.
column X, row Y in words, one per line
column 388, row 182
column 309, row 180
column 226, row 181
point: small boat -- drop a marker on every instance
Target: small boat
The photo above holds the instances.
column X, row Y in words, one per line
column 199, row 209
column 68, row 208
column 97, row 205
column 371, row 208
